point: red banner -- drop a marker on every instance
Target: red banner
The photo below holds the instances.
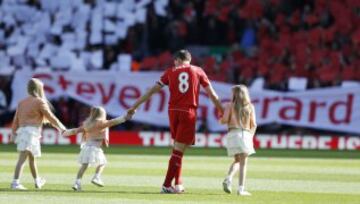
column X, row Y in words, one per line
column 217, row 140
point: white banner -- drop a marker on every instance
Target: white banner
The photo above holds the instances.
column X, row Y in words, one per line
column 336, row 109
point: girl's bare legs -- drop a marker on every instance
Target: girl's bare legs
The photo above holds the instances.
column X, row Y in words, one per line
column 242, row 173
column 18, row 170
column 99, row 170
column 96, row 179
column 39, row 182
column 81, row 171
column 20, row 164
column 234, row 167
column 33, row 166
column 77, row 185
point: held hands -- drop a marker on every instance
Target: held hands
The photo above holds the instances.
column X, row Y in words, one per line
column 65, row 133
column 62, row 131
column 73, row 131
column 130, row 113
column 12, row 138
column 128, row 116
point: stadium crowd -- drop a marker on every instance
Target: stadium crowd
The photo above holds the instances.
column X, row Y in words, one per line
column 235, row 41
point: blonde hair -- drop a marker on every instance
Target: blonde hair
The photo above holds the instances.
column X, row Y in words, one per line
column 96, row 113
column 241, row 102
column 35, row 88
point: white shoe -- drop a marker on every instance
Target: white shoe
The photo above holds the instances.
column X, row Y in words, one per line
column 227, row 186
column 167, row 190
column 179, row 188
column 244, row 193
column 97, row 182
column 17, row 186
column 39, row 184
column 76, row 187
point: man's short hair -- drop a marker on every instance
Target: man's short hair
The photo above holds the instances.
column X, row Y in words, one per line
column 182, row 55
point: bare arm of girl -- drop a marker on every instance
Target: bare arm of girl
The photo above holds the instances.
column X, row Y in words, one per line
column 118, row 120
column 73, row 131
column 253, row 124
column 225, row 117
column 115, row 121
column 45, row 110
column 15, row 126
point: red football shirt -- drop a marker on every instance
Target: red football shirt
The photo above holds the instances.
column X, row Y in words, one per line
column 184, row 84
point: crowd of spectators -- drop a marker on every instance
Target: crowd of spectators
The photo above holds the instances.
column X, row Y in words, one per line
column 235, row 41
column 318, row 40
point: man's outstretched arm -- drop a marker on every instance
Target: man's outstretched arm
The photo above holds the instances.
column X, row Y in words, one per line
column 214, row 98
column 156, row 88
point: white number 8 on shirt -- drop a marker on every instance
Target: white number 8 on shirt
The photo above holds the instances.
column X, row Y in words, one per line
column 184, row 82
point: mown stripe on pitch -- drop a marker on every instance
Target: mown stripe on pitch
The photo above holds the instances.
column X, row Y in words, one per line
column 203, row 159
column 126, row 194
column 271, row 184
column 215, row 173
column 254, row 164
column 219, row 170
column 15, row 199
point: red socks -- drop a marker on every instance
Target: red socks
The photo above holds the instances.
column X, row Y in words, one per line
column 174, row 168
column 178, row 172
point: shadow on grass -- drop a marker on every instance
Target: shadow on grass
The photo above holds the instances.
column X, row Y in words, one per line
column 98, row 192
column 77, row 192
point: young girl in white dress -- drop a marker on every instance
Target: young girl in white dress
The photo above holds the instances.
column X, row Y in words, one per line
column 31, row 113
column 239, row 116
column 95, row 131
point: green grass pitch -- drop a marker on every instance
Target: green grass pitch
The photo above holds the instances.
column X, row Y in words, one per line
column 134, row 175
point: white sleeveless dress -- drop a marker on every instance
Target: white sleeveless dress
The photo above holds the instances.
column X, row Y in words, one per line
column 91, row 153
column 28, row 139
column 239, row 141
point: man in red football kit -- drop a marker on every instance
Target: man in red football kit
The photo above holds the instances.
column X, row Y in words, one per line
column 184, row 82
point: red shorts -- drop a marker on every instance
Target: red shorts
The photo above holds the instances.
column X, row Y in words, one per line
column 182, row 125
